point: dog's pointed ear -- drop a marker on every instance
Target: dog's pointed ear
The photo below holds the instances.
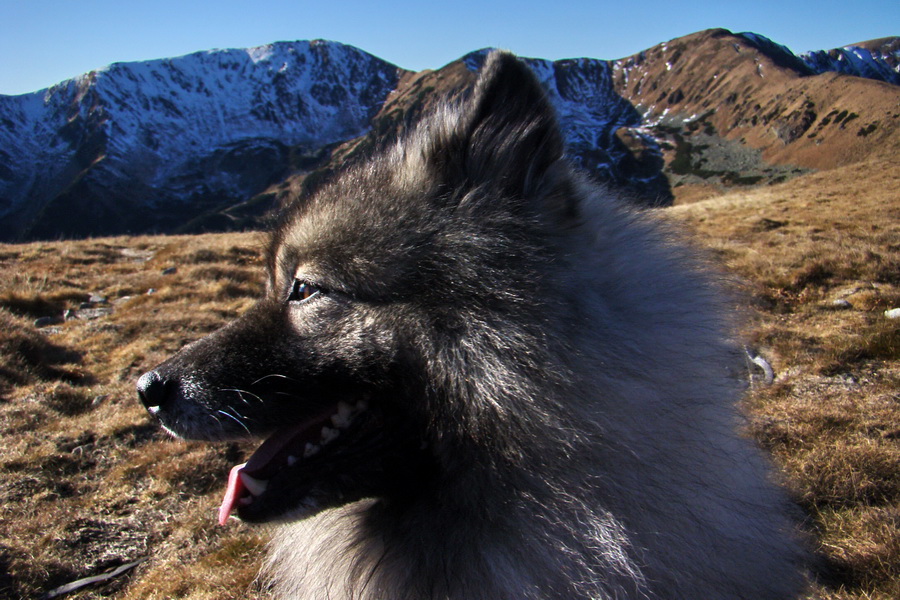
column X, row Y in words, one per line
column 506, row 135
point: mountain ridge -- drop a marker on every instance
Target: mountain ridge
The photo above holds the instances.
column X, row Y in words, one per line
column 148, row 127
column 217, row 139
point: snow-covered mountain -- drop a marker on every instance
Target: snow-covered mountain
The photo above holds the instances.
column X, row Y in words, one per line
column 148, row 145
column 877, row 59
column 200, row 141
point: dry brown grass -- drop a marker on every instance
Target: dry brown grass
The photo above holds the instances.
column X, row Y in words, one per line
column 90, row 483
column 832, row 417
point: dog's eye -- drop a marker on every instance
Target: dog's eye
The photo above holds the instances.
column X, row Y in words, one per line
column 302, row 291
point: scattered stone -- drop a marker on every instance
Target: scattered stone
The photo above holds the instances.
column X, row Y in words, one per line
column 97, row 299
column 169, row 271
column 45, row 321
column 102, row 326
column 893, row 313
column 151, row 291
column 99, row 399
column 76, row 585
column 768, row 372
column 840, row 304
column 764, row 224
column 70, row 314
column 121, row 300
column 137, row 255
column 86, row 305
column 848, row 379
column 93, row 313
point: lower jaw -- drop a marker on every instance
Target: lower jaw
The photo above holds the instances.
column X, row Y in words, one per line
column 297, row 512
column 264, row 510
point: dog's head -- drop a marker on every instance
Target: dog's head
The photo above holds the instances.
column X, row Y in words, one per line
column 403, row 314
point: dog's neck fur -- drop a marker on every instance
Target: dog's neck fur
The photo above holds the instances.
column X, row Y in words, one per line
column 427, row 550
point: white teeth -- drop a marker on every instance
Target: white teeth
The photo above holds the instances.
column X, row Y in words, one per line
column 329, row 434
column 341, row 420
column 344, row 415
column 254, row 486
column 310, row 450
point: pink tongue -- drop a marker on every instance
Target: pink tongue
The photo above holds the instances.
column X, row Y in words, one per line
column 273, row 452
column 235, row 487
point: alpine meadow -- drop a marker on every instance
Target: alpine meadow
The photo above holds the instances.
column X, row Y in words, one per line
column 776, row 173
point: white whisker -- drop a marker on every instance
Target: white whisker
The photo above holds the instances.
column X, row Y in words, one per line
column 241, row 394
column 264, row 377
column 236, row 419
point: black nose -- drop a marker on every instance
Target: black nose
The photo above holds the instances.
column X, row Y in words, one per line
column 151, row 389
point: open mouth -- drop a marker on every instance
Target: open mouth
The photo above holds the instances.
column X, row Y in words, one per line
column 293, row 462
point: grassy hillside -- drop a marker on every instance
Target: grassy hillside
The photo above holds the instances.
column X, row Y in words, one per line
column 89, row 482
column 819, row 258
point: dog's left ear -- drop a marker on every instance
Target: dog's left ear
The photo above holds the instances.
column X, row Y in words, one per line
column 506, row 135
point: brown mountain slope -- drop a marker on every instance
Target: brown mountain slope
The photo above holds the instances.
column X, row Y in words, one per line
column 764, row 100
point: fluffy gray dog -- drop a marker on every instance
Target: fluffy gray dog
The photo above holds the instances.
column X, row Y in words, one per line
column 480, row 377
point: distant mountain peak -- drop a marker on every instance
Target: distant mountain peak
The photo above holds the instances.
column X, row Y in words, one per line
column 779, row 53
column 876, row 59
column 189, row 132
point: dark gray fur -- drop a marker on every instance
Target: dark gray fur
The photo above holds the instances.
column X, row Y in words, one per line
column 548, row 370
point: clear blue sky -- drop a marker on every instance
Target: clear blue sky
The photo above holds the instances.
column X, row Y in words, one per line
column 45, row 41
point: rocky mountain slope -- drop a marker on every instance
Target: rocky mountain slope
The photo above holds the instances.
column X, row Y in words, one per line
column 151, row 145
column 876, row 59
column 732, row 110
column 216, row 140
